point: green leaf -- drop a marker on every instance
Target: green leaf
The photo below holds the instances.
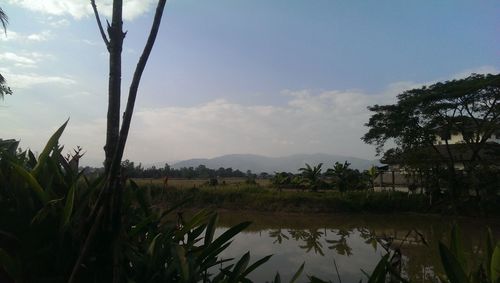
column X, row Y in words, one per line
column 140, row 226
column 226, row 236
column 10, row 266
column 32, row 182
column 495, row 264
column 141, row 198
column 452, row 266
column 239, row 268
column 456, row 247
column 314, row 279
column 255, row 265
column 380, row 271
column 209, row 233
column 277, row 278
column 151, row 248
column 51, row 144
column 490, row 246
column 181, row 256
column 298, row 273
column 68, row 207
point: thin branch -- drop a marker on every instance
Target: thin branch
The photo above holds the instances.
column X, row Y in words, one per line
column 99, row 24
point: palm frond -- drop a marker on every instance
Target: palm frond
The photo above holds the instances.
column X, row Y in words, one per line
column 4, row 19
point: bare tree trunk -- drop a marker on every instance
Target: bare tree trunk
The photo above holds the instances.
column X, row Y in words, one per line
column 106, row 216
column 116, row 36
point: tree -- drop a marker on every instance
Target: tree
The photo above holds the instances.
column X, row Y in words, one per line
column 311, row 176
column 469, row 107
column 106, row 214
column 345, row 177
column 372, row 173
column 4, row 20
column 4, row 89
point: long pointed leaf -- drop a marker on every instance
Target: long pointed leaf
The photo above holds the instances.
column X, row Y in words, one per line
column 68, row 207
column 495, row 264
column 10, row 266
column 451, row 265
column 182, row 261
column 456, row 247
column 490, row 246
column 255, row 265
column 32, row 182
column 380, row 271
column 239, row 268
column 226, row 236
column 209, row 233
column 51, row 144
column 152, row 246
column 298, row 273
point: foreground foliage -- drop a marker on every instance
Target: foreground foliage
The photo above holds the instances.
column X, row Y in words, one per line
column 44, row 205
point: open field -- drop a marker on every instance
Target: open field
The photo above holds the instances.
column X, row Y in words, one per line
column 178, row 183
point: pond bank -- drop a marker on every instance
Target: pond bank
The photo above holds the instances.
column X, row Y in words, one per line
column 254, row 198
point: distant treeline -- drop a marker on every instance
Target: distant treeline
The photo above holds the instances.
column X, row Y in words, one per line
column 137, row 171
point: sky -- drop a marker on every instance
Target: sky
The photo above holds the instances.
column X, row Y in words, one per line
column 235, row 76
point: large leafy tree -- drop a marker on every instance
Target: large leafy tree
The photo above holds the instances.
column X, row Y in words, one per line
column 469, row 107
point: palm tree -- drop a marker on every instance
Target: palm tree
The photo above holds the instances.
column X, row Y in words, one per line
column 4, row 89
column 4, row 20
column 341, row 173
column 311, row 176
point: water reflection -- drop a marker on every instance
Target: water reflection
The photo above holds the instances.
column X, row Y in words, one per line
column 355, row 243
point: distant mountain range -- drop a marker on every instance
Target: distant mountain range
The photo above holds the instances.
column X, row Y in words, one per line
column 258, row 163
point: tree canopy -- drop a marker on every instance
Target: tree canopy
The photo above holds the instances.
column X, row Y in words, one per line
column 425, row 118
column 469, row 106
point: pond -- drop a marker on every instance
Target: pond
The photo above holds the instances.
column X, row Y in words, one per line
column 348, row 243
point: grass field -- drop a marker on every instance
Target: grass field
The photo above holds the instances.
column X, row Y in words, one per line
column 177, row 183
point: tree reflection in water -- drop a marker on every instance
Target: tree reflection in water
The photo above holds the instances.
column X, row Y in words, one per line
column 312, row 239
column 340, row 245
column 278, row 235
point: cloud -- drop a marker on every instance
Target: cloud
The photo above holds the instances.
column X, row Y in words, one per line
column 13, row 36
column 23, row 59
column 81, row 8
column 29, row 80
column 330, row 122
column 14, row 58
column 55, row 22
column 43, row 36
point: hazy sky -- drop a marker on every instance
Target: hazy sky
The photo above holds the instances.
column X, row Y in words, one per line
column 271, row 77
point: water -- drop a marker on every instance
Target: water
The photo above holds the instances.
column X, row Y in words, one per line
column 352, row 242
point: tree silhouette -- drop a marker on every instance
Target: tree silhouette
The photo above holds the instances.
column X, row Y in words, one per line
column 106, row 215
column 311, row 176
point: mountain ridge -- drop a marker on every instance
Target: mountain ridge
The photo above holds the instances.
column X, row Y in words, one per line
column 260, row 163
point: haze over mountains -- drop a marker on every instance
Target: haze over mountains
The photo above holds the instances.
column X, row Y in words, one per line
column 259, row 163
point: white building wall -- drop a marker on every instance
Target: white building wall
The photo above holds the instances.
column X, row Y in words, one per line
column 458, row 138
